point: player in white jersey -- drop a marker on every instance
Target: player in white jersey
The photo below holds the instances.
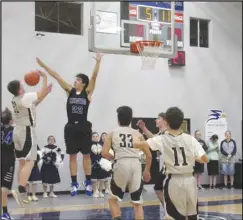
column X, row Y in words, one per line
column 161, row 124
column 24, row 136
column 127, row 169
column 179, row 152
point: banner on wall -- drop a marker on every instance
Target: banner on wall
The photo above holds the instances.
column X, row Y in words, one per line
column 216, row 123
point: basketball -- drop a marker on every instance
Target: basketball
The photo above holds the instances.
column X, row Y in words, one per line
column 32, row 78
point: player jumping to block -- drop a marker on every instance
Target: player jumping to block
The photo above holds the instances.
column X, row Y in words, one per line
column 78, row 130
column 179, row 151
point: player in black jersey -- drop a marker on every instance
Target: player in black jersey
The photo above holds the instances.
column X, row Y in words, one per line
column 78, row 130
column 7, row 159
column 160, row 123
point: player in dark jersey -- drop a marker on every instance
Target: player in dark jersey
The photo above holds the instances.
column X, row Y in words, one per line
column 78, row 130
column 7, row 159
column 160, row 123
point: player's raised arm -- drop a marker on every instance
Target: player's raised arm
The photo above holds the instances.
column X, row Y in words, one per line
column 154, row 143
column 66, row 86
column 37, row 97
column 92, row 81
column 142, row 126
column 49, row 88
column 106, row 148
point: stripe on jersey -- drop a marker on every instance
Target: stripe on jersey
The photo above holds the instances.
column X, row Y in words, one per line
column 30, row 117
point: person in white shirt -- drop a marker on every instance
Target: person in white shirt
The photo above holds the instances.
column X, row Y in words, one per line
column 179, row 152
column 24, row 136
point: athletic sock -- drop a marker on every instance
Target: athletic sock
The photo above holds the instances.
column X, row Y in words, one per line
column 5, row 209
column 74, row 179
column 88, row 177
column 21, row 189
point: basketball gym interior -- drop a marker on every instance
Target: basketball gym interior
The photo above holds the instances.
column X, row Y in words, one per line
column 197, row 66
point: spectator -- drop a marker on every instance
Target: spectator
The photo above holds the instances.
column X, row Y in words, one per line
column 34, row 179
column 98, row 174
column 52, row 159
column 107, row 180
column 213, row 164
column 228, row 151
column 199, row 167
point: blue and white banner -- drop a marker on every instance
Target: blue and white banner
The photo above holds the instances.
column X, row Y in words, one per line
column 216, row 123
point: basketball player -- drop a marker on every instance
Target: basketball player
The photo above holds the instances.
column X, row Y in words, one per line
column 24, row 136
column 127, row 169
column 78, row 130
column 179, row 151
column 8, row 159
column 161, row 124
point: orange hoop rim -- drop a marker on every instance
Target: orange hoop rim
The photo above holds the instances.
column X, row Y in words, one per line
column 137, row 46
column 150, row 42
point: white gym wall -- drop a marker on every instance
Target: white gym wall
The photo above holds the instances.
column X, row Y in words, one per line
column 211, row 78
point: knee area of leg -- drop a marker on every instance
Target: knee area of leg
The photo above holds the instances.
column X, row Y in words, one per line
column 30, row 162
column 5, row 190
column 86, row 156
column 73, row 157
column 21, row 163
column 137, row 205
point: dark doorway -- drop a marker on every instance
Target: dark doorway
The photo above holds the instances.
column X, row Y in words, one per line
column 151, row 126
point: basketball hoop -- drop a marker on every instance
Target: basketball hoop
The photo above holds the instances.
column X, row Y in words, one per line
column 148, row 50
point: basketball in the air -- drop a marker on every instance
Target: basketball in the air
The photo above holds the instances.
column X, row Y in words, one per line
column 32, row 78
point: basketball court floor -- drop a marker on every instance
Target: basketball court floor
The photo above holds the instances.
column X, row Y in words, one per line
column 214, row 204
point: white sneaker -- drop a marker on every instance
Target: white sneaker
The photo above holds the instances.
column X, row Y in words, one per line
column 29, row 198
column 35, row 199
column 107, row 191
column 167, row 217
column 101, row 195
column 45, row 195
column 96, row 194
column 52, row 195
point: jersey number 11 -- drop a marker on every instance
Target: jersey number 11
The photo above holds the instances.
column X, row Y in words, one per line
column 176, row 157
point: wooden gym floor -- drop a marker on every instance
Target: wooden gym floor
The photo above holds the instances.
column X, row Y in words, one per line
column 214, row 204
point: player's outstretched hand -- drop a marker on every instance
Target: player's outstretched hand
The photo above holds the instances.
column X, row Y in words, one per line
column 49, row 87
column 41, row 73
column 99, row 57
column 141, row 124
column 38, row 60
column 146, row 175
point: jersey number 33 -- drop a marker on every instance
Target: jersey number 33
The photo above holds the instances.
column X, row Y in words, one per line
column 126, row 140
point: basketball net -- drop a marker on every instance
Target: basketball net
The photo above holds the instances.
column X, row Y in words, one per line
column 149, row 52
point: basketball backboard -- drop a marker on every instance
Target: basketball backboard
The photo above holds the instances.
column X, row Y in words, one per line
column 114, row 25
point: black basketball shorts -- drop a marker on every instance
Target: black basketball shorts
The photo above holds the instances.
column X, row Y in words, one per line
column 7, row 174
column 159, row 181
column 78, row 137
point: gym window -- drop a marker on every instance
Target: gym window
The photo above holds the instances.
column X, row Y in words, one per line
column 59, row 17
column 199, row 32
